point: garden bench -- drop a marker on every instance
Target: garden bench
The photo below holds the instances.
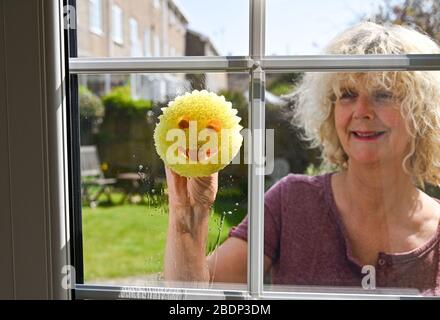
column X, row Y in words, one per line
column 92, row 175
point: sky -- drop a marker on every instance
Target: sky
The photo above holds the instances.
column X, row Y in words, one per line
column 292, row 26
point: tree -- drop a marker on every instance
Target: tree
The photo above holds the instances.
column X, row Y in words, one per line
column 423, row 14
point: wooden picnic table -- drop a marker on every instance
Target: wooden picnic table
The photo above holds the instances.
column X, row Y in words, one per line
column 137, row 183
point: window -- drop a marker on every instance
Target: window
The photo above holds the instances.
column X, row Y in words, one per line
column 134, row 38
column 317, row 272
column 96, row 16
column 282, row 15
column 258, row 81
column 165, row 48
column 156, row 4
column 147, row 43
column 157, row 46
column 172, row 51
column 133, row 225
column 172, row 15
column 117, row 25
column 228, row 32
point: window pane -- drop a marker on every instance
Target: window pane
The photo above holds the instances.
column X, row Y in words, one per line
column 345, row 216
column 306, row 27
column 176, row 28
column 124, row 190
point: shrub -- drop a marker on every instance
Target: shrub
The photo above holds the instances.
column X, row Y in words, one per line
column 280, row 89
column 120, row 100
column 90, row 104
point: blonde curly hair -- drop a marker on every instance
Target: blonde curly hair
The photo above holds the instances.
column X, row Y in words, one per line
column 418, row 93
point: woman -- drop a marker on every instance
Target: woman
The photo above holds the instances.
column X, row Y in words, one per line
column 380, row 130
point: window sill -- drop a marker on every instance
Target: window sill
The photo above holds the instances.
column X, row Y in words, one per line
column 118, row 42
column 97, row 32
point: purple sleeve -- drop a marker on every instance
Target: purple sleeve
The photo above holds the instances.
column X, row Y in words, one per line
column 272, row 222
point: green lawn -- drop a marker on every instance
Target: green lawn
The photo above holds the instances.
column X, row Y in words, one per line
column 128, row 240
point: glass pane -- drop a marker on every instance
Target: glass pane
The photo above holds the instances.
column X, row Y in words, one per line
column 306, row 27
column 160, row 28
column 125, row 212
column 351, row 214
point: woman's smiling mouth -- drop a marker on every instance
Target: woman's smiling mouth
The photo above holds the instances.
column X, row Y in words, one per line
column 367, row 135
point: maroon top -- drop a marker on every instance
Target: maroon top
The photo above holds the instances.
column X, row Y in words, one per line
column 307, row 242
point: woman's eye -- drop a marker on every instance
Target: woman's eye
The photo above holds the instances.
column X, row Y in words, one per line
column 348, row 95
column 383, row 96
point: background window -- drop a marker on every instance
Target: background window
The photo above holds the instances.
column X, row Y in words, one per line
column 96, row 16
column 147, row 43
column 134, row 38
column 157, row 46
column 117, row 24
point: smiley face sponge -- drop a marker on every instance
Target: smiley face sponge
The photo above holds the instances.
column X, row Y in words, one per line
column 198, row 134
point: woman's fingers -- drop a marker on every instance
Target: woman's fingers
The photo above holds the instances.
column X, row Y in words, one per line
column 174, row 180
column 193, row 191
column 203, row 190
column 177, row 188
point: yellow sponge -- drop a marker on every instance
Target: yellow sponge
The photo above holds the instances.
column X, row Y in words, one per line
column 198, row 134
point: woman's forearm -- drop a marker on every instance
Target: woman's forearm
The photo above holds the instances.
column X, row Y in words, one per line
column 185, row 258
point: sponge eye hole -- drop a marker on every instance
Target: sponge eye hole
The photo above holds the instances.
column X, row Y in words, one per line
column 183, row 123
column 214, row 124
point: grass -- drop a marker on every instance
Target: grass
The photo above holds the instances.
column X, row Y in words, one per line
column 129, row 240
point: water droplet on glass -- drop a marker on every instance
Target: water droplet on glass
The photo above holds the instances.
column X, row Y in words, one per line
column 141, row 167
column 229, row 212
column 236, row 204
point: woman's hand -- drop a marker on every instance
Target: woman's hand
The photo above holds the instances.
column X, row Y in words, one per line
column 191, row 192
column 190, row 200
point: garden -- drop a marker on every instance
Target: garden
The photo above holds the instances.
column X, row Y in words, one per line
column 128, row 240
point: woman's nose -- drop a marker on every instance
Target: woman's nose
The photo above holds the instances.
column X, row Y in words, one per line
column 363, row 108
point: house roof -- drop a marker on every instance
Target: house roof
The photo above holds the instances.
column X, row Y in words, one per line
column 179, row 10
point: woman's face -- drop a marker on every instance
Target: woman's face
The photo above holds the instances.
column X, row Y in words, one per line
column 370, row 126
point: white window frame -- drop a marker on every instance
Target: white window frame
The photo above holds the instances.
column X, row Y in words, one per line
column 257, row 64
column 95, row 16
column 117, row 24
